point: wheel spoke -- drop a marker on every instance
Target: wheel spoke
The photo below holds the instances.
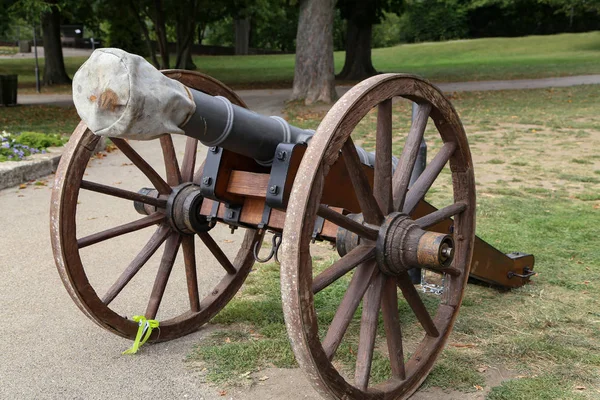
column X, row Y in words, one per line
column 162, row 277
column 123, row 194
column 189, row 257
column 429, row 175
column 356, row 290
column 382, row 187
column 217, row 252
column 368, row 331
column 158, row 182
column 189, row 160
column 342, row 266
column 414, row 301
column 142, row 223
column 409, row 156
column 369, row 207
column 438, row 216
column 344, row 222
column 393, row 331
column 170, row 157
column 138, row 262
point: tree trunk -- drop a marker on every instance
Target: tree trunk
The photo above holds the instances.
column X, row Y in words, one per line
column 201, row 30
column 185, row 30
column 314, row 73
column 161, row 34
column 358, row 64
column 54, row 65
column 145, row 32
column 242, row 36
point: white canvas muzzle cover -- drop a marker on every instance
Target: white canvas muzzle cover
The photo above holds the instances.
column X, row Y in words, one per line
column 120, row 94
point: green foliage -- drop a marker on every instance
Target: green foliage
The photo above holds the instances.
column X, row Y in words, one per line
column 40, row 140
column 15, row 147
column 527, row 17
column 364, row 13
column 388, row 32
column 124, row 30
column 30, row 10
column 7, row 20
column 433, row 20
column 273, row 25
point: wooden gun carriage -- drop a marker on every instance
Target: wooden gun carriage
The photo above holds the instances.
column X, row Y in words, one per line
column 306, row 187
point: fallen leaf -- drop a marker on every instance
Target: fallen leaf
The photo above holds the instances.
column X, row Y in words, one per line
column 227, row 340
column 22, row 186
column 245, row 374
column 478, row 387
column 222, row 392
column 263, row 378
column 482, row 369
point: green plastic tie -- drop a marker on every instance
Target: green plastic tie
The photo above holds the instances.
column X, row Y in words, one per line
column 145, row 327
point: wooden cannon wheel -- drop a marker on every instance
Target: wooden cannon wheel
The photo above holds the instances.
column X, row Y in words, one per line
column 66, row 244
column 378, row 270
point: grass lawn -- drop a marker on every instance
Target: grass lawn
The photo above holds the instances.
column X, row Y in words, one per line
column 39, row 118
column 8, row 50
column 460, row 60
column 537, row 164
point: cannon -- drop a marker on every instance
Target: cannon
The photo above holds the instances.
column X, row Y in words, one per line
column 263, row 175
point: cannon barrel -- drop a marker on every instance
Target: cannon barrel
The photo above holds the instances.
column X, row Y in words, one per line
column 118, row 94
column 218, row 122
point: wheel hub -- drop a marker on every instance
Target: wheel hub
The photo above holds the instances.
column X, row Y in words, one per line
column 183, row 208
column 403, row 245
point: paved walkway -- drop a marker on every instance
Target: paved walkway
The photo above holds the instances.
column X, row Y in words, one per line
column 67, row 52
column 273, row 100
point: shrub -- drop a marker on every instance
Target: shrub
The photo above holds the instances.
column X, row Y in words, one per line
column 433, row 20
column 16, row 147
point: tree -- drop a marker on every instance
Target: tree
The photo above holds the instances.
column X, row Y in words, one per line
column 50, row 12
column 185, row 30
column 314, row 72
column 360, row 17
column 54, row 63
